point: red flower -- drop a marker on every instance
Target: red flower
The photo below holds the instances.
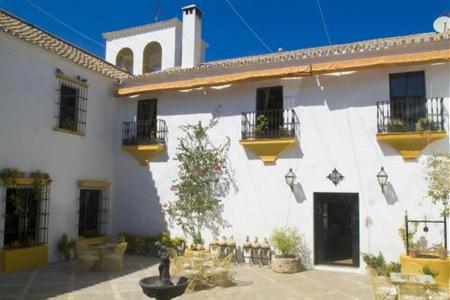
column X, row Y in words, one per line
column 218, row 168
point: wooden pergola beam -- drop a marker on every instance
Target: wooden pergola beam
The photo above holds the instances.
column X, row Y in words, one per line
column 292, row 71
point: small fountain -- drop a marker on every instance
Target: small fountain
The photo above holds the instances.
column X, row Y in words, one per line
column 164, row 286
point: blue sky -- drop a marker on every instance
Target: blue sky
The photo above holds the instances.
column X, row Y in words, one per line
column 287, row 24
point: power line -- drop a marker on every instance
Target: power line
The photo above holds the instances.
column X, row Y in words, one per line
column 64, row 24
column 77, row 31
column 248, row 26
column 323, row 22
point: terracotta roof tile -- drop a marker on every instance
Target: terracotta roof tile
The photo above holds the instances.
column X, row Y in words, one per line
column 298, row 55
column 33, row 35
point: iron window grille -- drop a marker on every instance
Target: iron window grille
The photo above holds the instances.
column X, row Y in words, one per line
column 25, row 215
column 71, row 105
column 275, row 123
column 411, row 115
column 144, row 132
column 93, row 211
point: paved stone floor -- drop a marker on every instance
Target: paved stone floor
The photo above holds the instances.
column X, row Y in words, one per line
column 60, row 281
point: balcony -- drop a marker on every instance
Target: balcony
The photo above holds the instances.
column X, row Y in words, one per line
column 411, row 125
column 267, row 133
column 144, row 139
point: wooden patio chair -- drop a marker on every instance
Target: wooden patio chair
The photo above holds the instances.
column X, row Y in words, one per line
column 114, row 261
column 219, row 273
column 86, row 259
column 439, row 292
column 382, row 289
column 412, row 291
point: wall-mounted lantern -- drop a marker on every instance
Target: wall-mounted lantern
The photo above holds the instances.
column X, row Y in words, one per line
column 382, row 177
column 290, row 178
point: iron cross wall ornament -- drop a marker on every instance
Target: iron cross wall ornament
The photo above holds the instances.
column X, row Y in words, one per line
column 335, row 176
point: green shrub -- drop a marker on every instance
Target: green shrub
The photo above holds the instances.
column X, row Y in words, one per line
column 178, row 241
column 376, row 262
column 426, row 124
column 394, row 125
column 287, row 241
column 65, row 246
column 428, row 271
column 379, row 264
column 392, row 267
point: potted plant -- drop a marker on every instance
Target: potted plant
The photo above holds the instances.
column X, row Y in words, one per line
column 261, row 125
column 426, row 124
column 39, row 175
column 286, row 242
column 426, row 270
column 65, row 247
column 204, row 179
column 8, row 175
column 375, row 265
column 395, row 125
column 441, row 252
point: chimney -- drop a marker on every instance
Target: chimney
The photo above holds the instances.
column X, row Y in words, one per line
column 192, row 48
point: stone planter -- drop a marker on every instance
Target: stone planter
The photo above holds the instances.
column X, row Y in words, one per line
column 285, row 265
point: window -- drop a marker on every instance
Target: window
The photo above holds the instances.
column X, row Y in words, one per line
column 407, row 93
column 124, row 60
column 71, row 113
column 269, row 111
column 146, row 121
column 152, row 58
column 93, row 211
column 269, row 98
column 25, row 215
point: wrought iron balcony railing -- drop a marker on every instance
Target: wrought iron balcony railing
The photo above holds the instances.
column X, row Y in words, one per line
column 144, row 132
column 267, row 124
column 411, row 115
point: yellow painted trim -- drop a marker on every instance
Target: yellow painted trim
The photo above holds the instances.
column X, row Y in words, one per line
column 23, row 258
column 29, row 181
column 268, row 149
column 93, row 184
column 414, row 265
column 410, row 144
column 144, row 153
column 68, row 131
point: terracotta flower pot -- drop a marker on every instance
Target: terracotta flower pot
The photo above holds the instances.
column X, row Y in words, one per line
column 285, row 265
column 412, row 252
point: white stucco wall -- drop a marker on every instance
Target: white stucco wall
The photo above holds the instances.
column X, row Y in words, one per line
column 28, row 97
column 337, row 130
column 168, row 38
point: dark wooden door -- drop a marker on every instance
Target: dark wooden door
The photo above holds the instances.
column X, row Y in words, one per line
column 336, row 229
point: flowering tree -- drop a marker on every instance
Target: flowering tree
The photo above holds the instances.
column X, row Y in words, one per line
column 438, row 177
column 204, row 179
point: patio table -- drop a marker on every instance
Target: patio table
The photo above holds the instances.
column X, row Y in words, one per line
column 397, row 278
column 102, row 250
